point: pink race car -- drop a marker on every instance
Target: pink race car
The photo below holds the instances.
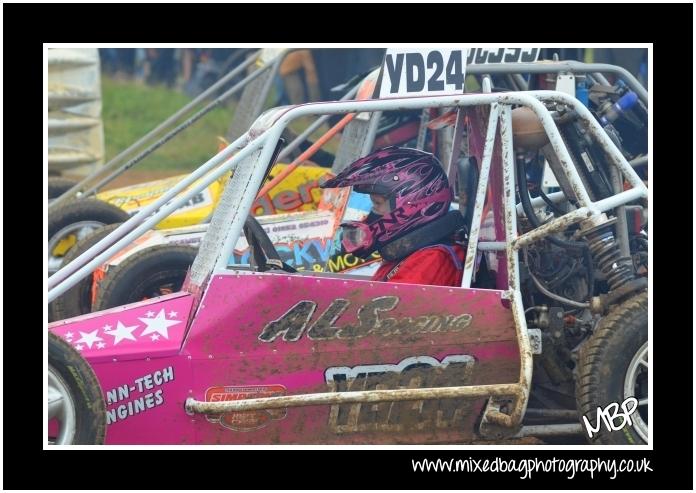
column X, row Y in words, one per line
column 262, row 354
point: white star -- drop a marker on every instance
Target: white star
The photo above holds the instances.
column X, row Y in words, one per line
column 79, row 347
column 69, row 335
column 172, row 314
column 159, row 324
column 100, row 345
column 107, row 328
column 154, row 337
column 122, row 332
column 89, row 338
column 150, row 314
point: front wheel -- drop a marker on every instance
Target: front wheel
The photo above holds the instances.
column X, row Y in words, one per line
column 76, row 409
column 613, row 367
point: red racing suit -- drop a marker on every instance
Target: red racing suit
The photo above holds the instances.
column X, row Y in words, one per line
column 437, row 265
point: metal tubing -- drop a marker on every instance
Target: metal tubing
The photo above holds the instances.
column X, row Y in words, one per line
column 247, row 199
column 556, row 297
column 551, row 413
column 305, row 155
column 510, row 211
column 561, row 223
column 599, row 77
column 456, row 145
column 553, row 226
column 371, row 133
column 564, row 66
column 273, row 122
column 560, row 148
column 521, row 82
column 486, row 84
column 639, row 161
column 202, row 407
column 512, row 82
column 599, row 135
column 550, row 430
column 480, row 195
column 491, row 246
column 623, row 198
column 423, row 129
column 305, row 135
column 555, row 197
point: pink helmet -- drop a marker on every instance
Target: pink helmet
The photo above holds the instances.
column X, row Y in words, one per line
column 412, row 180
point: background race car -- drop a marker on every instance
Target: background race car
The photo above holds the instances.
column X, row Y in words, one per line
column 156, row 263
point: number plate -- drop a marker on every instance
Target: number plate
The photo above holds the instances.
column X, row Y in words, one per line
column 408, row 72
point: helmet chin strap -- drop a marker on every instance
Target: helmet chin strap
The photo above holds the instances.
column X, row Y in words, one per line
column 429, row 234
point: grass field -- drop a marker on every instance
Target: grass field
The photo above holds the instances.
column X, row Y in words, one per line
column 130, row 110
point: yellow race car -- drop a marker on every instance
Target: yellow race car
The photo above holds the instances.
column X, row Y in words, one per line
column 75, row 220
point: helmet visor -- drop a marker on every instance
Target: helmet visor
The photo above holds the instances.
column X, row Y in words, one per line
column 356, row 236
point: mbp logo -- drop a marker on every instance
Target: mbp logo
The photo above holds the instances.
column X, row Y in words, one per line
column 609, row 416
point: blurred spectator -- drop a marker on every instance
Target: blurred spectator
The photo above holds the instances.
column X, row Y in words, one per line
column 305, row 75
column 201, row 68
column 109, row 60
column 160, row 67
column 299, row 76
column 118, row 62
column 187, row 57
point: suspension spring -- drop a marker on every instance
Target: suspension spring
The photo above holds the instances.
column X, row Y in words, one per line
column 617, row 270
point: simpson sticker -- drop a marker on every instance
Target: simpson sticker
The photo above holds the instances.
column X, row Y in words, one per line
column 245, row 420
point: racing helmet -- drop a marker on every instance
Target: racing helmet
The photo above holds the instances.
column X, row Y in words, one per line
column 413, row 182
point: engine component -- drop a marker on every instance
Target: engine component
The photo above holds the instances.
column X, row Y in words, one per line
column 605, row 251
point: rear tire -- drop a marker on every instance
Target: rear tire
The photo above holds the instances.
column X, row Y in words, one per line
column 78, row 299
column 57, row 186
column 75, row 220
column 78, row 404
column 151, row 272
column 612, row 367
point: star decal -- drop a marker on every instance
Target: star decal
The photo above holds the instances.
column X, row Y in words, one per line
column 159, row 324
column 122, row 332
column 89, row 338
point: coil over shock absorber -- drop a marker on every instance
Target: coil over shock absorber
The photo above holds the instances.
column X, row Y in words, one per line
column 617, row 270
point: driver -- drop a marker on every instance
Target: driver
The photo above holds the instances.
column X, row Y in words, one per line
column 409, row 224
